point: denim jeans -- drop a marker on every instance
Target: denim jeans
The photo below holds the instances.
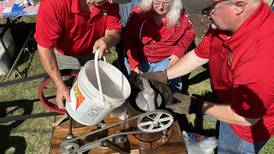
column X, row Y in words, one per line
column 175, row 84
column 230, row 143
column 125, row 10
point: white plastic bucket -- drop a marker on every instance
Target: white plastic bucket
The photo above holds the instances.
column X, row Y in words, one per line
column 99, row 89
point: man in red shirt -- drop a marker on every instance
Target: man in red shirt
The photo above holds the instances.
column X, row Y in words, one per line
column 239, row 50
column 74, row 28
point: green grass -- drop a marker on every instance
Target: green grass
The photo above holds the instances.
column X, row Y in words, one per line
column 20, row 99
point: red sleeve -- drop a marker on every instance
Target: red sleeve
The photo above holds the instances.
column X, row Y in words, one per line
column 253, row 92
column 48, row 24
column 202, row 50
column 131, row 39
column 186, row 39
column 113, row 20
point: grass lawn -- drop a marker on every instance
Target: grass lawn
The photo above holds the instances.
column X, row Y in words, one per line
column 33, row 136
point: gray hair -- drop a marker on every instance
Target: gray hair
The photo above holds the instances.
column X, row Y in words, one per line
column 173, row 14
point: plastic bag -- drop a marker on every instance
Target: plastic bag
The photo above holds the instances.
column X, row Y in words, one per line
column 199, row 144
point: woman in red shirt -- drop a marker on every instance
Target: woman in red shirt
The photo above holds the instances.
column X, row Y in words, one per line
column 156, row 36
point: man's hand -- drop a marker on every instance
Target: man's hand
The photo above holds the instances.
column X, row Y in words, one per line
column 164, row 90
column 111, row 39
column 172, row 60
column 101, row 44
column 135, row 74
column 186, row 104
column 62, row 94
column 156, row 76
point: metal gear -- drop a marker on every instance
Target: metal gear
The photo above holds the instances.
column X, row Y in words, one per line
column 155, row 121
column 69, row 148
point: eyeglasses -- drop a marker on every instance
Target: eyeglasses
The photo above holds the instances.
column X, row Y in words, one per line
column 164, row 3
column 212, row 8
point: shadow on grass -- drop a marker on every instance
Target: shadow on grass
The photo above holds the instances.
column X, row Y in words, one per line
column 188, row 126
column 184, row 123
column 18, row 143
column 199, row 77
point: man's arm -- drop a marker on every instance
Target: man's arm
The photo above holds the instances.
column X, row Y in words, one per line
column 223, row 112
column 226, row 114
column 185, row 65
column 49, row 62
column 111, row 39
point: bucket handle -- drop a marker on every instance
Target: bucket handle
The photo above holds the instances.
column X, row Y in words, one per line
column 97, row 73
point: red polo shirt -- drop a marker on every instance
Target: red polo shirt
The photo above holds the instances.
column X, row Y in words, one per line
column 241, row 71
column 146, row 41
column 61, row 24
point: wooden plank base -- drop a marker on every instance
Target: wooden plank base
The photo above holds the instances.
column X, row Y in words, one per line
column 175, row 144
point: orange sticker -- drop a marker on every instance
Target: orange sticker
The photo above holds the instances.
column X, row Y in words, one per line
column 79, row 96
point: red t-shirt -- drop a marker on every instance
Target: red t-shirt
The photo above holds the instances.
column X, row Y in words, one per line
column 146, row 41
column 241, row 71
column 61, row 24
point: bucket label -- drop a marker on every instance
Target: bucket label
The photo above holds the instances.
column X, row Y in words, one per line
column 79, row 96
column 92, row 112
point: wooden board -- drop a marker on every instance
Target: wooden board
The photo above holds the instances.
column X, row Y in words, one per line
column 175, row 143
column 60, row 132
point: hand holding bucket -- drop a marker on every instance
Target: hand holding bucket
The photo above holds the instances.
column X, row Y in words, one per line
column 97, row 73
column 94, row 95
